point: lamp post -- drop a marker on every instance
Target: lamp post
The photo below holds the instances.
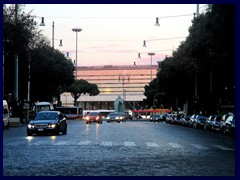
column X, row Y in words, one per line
column 60, row 44
column 76, row 30
column 28, row 94
column 123, row 78
column 151, row 54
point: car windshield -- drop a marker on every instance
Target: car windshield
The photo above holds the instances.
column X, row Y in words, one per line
column 113, row 114
column 93, row 114
column 46, row 116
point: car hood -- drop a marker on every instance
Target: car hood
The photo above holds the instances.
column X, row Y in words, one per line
column 43, row 121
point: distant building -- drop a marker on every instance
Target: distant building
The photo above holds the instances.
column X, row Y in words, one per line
column 113, row 81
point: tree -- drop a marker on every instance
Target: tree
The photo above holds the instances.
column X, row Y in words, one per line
column 50, row 71
column 80, row 87
column 207, row 53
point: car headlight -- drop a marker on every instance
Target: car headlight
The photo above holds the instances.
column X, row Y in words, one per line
column 30, row 126
column 52, row 125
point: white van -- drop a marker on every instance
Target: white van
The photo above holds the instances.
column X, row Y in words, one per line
column 5, row 115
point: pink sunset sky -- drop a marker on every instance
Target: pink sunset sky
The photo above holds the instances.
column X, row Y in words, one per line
column 113, row 34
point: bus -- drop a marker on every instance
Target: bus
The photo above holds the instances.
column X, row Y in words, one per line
column 42, row 106
column 71, row 112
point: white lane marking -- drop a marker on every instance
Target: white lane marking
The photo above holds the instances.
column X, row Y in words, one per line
column 60, row 143
column 199, row 146
column 223, row 148
column 106, row 143
column 152, row 144
column 175, row 145
column 129, row 144
column 84, row 143
column 38, row 143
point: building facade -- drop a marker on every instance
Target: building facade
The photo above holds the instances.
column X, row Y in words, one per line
column 126, row 82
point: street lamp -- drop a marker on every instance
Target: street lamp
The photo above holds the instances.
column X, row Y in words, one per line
column 76, row 30
column 151, row 54
column 157, row 22
column 43, row 24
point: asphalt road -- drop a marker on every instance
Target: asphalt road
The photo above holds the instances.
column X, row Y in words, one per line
column 132, row 148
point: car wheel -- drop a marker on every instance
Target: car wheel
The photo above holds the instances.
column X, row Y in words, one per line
column 65, row 131
column 57, row 131
column 205, row 127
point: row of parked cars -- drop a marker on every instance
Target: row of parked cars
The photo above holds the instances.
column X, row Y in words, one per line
column 221, row 123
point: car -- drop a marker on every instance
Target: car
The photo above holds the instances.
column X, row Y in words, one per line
column 216, row 123
column 169, row 118
column 192, row 119
column 223, row 120
column 209, row 122
column 5, row 115
column 185, row 120
column 199, row 121
column 47, row 122
column 94, row 116
column 156, row 118
column 177, row 119
column 229, row 126
column 128, row 116
column 115, row 117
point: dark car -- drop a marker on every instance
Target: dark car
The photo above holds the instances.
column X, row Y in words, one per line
column 93, row 116
column 229, row 126
column 115, row 117
column 156, row 118
column 209, row 122
column 45, row 122
column 199, row 121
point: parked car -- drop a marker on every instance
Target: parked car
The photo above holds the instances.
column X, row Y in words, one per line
column 192, row 119
column 93, row 116
column 185, row 120
column 5, row 115
column 209, row 122
column 170, row 118
column 156, row 118
column 216, row 123
column 177, row 119
column 199, row 121
column 229, row 126
column 45, row 122
column 128, row 116
column 223, row 120
column 115, row 117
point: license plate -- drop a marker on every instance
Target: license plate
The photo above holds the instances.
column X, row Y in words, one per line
column 40, row 129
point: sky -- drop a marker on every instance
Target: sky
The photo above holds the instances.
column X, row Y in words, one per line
column 113, row 34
